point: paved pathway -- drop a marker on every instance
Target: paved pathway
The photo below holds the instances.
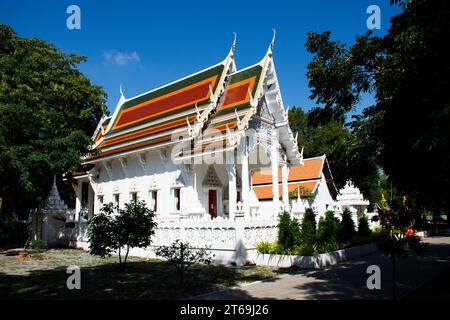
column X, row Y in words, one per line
column 348, row 280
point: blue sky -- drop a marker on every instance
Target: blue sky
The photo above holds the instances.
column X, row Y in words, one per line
column 144, row 44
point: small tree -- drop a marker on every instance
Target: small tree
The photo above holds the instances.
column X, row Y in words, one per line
column 398, row 231
column 132, row 227
column 346, row 227
column 100, row 232
column 308, row 227
column 288, row 231
column 363, row 226
column 182, row 256
column 328, row 227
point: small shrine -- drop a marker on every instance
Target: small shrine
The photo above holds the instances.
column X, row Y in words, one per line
column 49, row 225
column 350, row 197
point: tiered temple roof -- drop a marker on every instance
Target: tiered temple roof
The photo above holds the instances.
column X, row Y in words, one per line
column 213, row 106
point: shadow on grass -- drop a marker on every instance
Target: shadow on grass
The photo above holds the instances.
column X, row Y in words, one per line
column 137, row 280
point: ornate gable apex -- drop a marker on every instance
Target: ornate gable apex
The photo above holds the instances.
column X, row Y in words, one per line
column 99, row 132
column 267, row 92
column 181, row 107
column 273, row 98
column 211, row 178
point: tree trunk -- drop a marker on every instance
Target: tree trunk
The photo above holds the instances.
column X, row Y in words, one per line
column 120, row 257
column 126, row 254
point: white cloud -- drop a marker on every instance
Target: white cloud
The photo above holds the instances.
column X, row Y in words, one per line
column 120, row 58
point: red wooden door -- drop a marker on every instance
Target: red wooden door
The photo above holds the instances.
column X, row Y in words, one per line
column 212, row 203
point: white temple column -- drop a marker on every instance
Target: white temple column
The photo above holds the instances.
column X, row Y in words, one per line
column 245, row 185
column 232, row 193
column 274, row 161
column 91, row 201
column 78, row 198
column 284, row 185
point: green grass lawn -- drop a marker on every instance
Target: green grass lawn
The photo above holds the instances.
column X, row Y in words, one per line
column 105, row 279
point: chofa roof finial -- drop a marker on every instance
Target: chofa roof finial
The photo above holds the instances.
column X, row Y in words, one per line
column 121, row 91
column 233, row 46
column 273, row 39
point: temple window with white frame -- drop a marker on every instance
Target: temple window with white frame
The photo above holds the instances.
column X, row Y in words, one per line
column 153, row 195
column 116, row 202
column 177, row 198
column 100, row 199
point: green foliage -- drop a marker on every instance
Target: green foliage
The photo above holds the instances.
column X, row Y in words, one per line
column 328, row 228
column 100, row 232
column 311, row 242
column 14, row 232
column 183, row 256
column 326, row 246
column 48, row 112
column 132, row 227
column 308, row 228
column 407, row 71
column 346, row 153
column 288, row 231
column 301, row 250
column 363, row 226
column 346, row 227
column 397, row 236
column 264, row 247
column 38, row 245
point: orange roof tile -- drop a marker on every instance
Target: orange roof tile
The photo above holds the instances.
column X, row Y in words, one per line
column 310, row 170
column 265, row 192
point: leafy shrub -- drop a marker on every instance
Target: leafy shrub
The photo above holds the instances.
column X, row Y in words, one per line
column 328, row 228
column 346, row 228
column 288, row 231
column 182, row 256
column 132, row 227
column 38, row 245
column 274, row 248
column 100, row 232
column 264, row 247
column 363, row 226
column 305, row 250
column 325, row 246
column 308, row 227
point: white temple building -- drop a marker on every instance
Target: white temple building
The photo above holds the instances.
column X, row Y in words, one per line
column 190, row 149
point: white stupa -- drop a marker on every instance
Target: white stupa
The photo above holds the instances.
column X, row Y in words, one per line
column 55, row 213
column 54, row 204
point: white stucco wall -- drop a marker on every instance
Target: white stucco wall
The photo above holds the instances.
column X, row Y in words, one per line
column 323, row 200
column 161, row 175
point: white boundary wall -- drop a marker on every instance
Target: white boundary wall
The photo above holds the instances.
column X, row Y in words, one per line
column 229, row 241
